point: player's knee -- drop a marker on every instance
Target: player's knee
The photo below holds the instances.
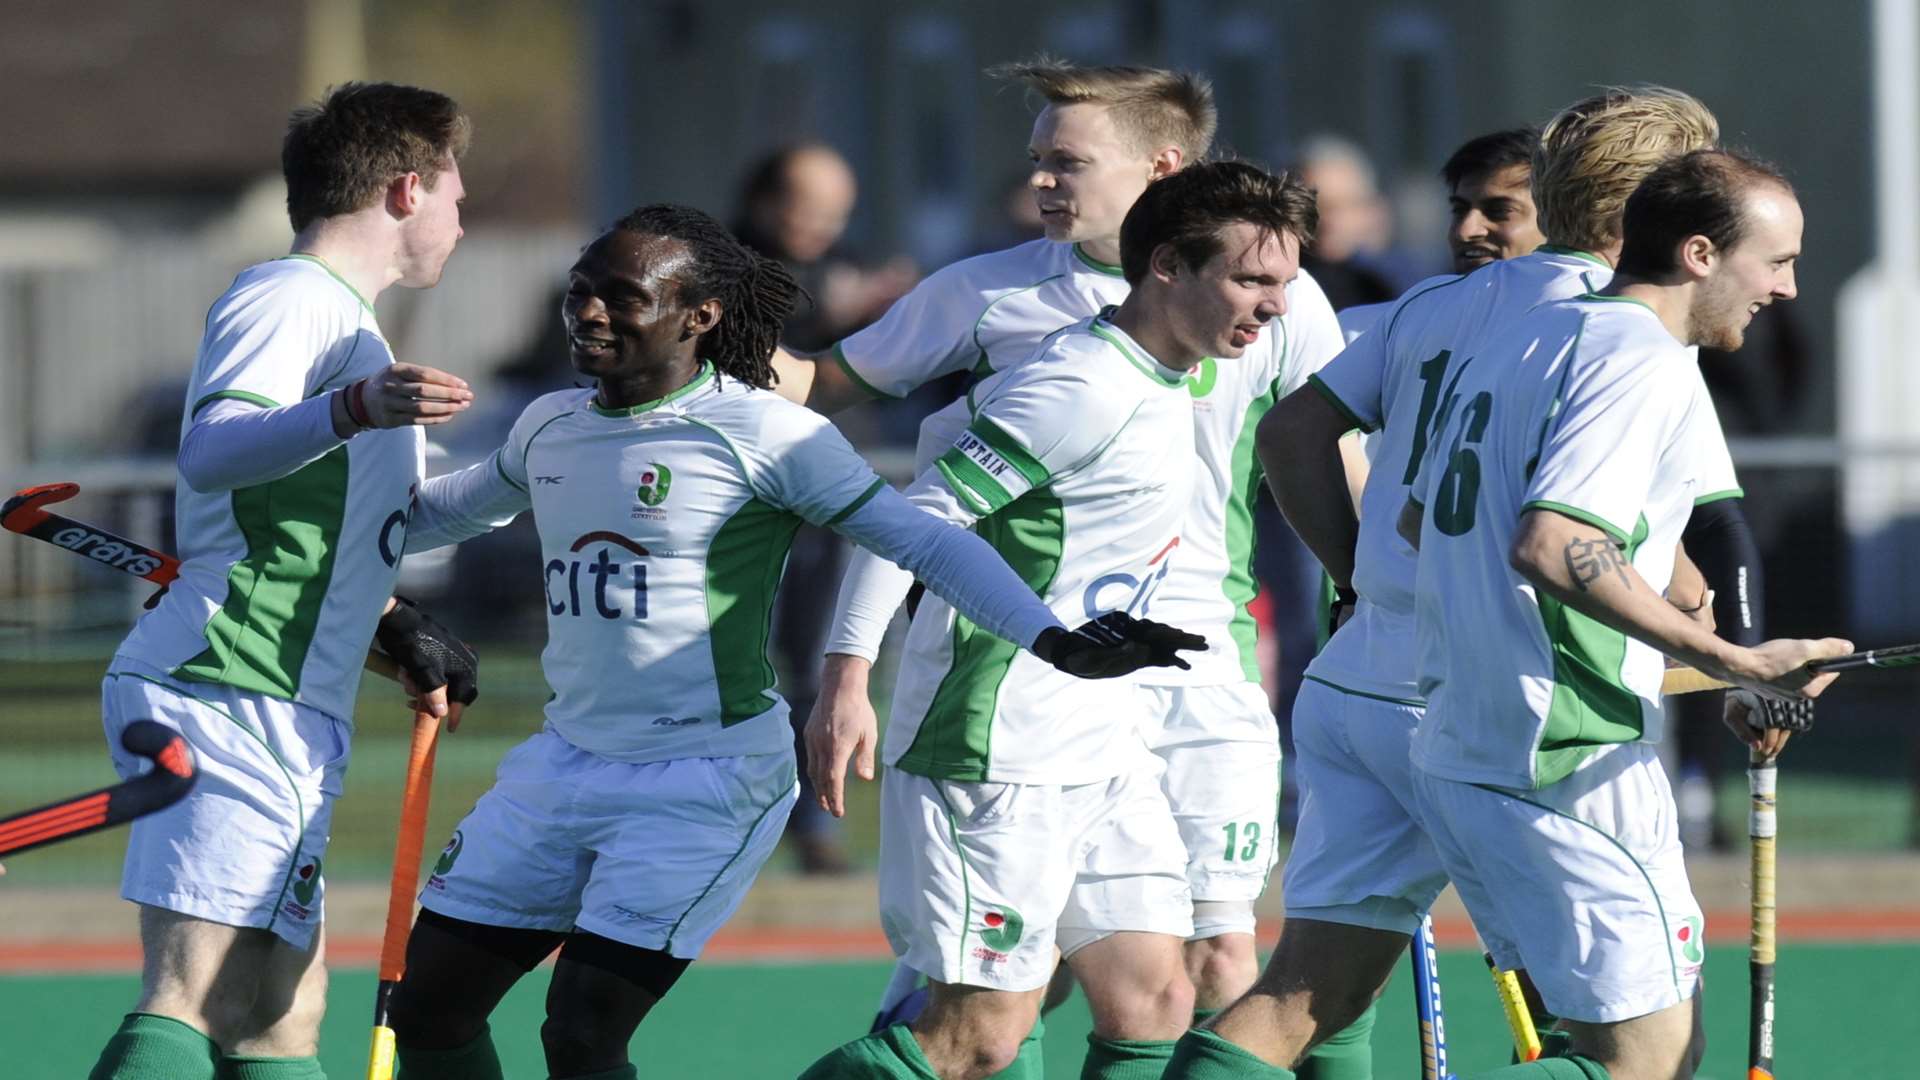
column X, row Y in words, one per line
column 1152, row 1008
column 1221, row 968
column 424, row 1020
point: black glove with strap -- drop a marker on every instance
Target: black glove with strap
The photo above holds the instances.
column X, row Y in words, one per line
column 1115, row 644
column 430, row 654
column 1763, row 713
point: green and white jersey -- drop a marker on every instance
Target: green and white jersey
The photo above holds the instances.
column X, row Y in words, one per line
column 1389, row 382
column 982, row 314
column 1210, row 585
column 664, row 529
column 1078, row 468
column 282, row 583
column 1590, row 408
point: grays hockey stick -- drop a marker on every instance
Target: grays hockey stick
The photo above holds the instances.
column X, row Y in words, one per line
column 25, row 513
column 171, row 777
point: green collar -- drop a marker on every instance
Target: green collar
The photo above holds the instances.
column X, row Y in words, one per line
column 1618, row 300
column 331, row 272
column 1556, row 249
column 1117, row 338
column 699, row 379
column 1105, row 268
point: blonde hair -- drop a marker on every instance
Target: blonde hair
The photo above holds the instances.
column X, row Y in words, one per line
column 1594, row 153
column 1151, row 107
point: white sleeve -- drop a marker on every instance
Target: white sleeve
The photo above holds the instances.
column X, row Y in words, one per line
column 923, row 335
column 1599, row 457
column 921, row 534
column 1354, row 381
column 1037, row 421
column 462, row 505
column 235, row 443
column 1714, row 462
column 276, row 342
column 1314, row 335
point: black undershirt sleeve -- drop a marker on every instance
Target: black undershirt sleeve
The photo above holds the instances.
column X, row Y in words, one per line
column 1720, row 542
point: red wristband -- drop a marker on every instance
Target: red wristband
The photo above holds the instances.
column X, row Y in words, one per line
column 357, row 405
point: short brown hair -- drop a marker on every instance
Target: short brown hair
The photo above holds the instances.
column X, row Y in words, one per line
column 1699, row 194
column 1189, row 209
column 1594, row 152
column 341, row 151
column 1151, row 107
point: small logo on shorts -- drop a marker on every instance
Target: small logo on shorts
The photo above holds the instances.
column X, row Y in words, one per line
column 1689, row 935
column 1003, row 929
column 449, row 854
column 306, row 883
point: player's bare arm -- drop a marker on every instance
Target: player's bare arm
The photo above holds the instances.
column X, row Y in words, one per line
column 843, row 728
column 1300, row 445
column 815, row 380
column 1584, row 568
column 1688, row 591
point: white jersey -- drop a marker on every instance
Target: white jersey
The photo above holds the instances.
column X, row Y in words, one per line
column 1211, row 582
column 664, row 528
column 1590, row 408
column 1079, row 467
column 282, row 583
column 1007, row 303
column 1390, row 381
column 982, row 315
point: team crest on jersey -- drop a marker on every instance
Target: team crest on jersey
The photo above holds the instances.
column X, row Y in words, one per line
column 654, row 484
column 1200, row 383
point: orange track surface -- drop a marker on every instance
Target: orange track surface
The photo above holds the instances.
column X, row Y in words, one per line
column 117, row 955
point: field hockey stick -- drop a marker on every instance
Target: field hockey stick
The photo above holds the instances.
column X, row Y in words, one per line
column 25, row 513
column 401, row 888
column 1686, row 680
column 171, row 777
column 1426, row 1004
column 1506, row 986
column 1762, row 775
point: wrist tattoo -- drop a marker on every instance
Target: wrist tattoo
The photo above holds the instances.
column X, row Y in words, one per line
column 1590, row 560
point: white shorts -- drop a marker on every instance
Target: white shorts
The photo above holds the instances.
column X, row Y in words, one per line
column 244, row 848
column 1360, row 856
column 977, row 880
column 657, row 855
column 1580, row 882
column 1221, row 748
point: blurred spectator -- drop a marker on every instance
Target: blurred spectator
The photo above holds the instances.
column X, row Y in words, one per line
column 794, row 206
column 1016, row 216
column 1354, row 222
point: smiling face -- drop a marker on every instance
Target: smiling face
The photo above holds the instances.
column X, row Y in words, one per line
column 1751, row 274
column 1220, row 308
column 1493, row 218
column 1086, row 175
column 626, row 318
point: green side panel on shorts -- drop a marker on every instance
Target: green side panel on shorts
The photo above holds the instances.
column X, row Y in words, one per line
column 1591, row 706
column 1240, row 585
column 744, row 562
column 956, row 735
column 259, row 638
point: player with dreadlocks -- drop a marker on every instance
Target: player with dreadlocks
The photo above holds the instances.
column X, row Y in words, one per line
column 628, row 830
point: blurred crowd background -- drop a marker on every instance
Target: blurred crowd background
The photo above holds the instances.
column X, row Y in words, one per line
column 858, row 141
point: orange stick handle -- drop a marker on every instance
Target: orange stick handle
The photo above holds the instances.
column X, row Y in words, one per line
column 401, row 889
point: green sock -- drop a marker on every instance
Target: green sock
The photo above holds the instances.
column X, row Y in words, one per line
column 624, row 1072
column 1348, row 1055
column 1125, row 1059
column 475, row 1061
column 1031, row 1062
column 1201, row 1016
column 1574, row 1067
column 270, row 1068
column 149, row 1045
column 1202, row 1055
column 885, row 1055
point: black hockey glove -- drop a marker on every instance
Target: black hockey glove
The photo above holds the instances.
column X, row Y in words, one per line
column 429, row 652
column 1764, row 713
column 1115, row 644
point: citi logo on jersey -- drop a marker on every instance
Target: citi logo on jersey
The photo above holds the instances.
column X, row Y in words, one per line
column 607, row 578
column 1124, row 592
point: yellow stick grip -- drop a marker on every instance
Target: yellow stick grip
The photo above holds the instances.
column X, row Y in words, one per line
column 1526, row 1039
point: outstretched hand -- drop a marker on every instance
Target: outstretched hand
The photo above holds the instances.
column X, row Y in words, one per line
column 1116, row 644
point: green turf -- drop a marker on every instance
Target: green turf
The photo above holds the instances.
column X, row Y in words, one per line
column 1840, row 1008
